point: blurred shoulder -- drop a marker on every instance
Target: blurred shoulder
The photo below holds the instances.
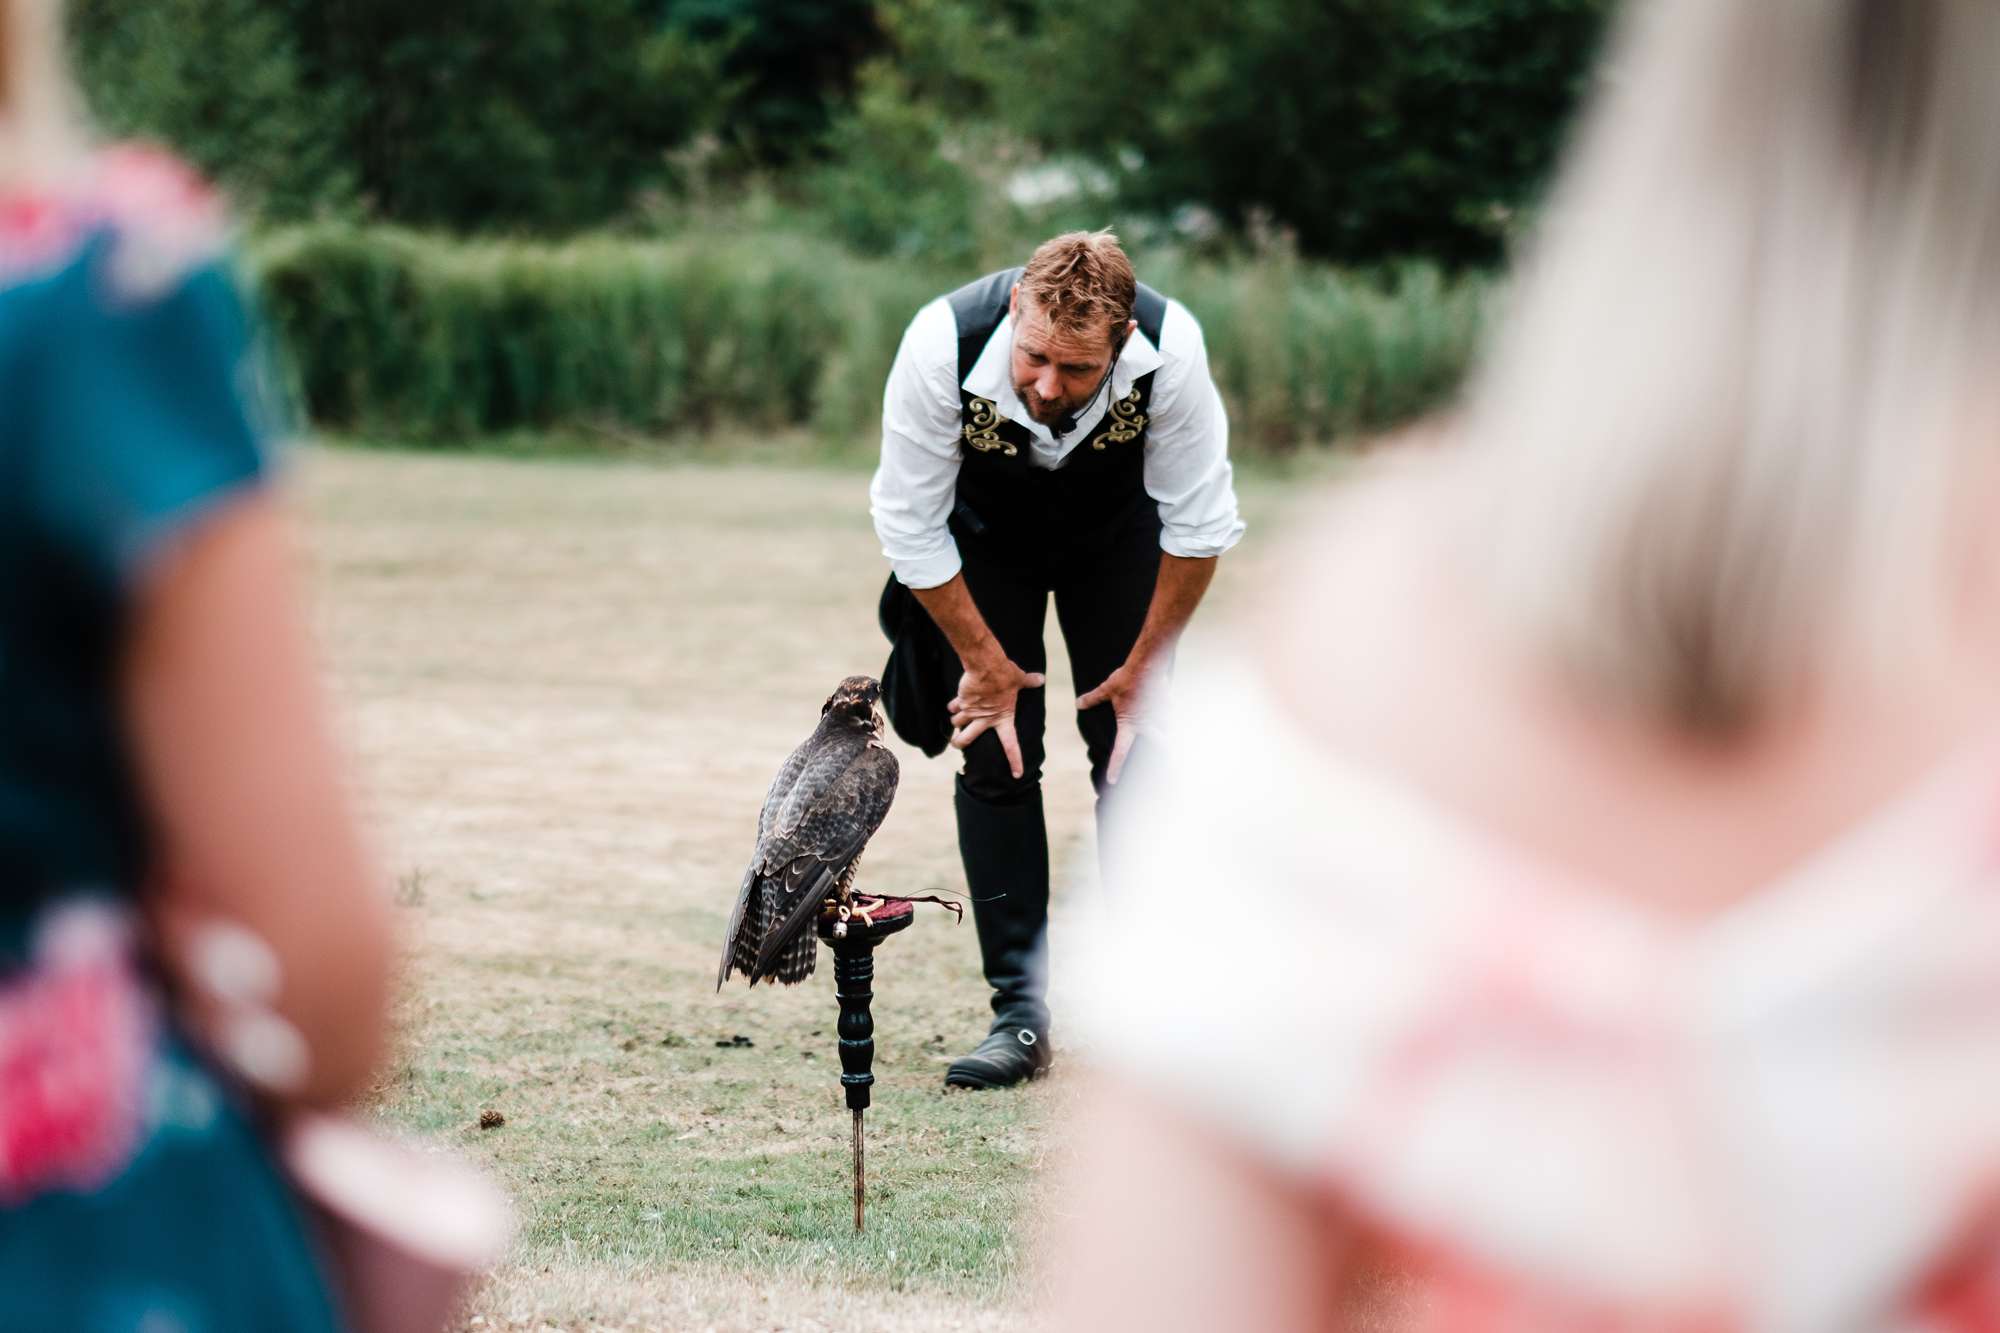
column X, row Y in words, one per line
column 159, row 220
column 164, row 221
column 1363, row 628
column 150, row 193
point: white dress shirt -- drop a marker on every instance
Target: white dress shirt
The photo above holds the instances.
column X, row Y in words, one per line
column 1186, row 465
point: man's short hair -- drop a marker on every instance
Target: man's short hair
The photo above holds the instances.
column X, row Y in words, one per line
column 1082, row 282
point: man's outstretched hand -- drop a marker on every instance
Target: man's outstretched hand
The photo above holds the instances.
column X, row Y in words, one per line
column 1122, row 689
column 985, row 701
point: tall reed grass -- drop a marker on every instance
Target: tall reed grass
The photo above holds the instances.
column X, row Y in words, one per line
column 396, row 334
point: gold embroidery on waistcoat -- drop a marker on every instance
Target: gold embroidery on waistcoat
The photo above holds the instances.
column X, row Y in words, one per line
column 1126, row 422
column 980, row 431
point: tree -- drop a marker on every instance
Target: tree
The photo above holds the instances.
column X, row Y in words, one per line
column 1368, row 128
column 792, row 63
column 225, row 82
column 467, row 114
column 477, row 113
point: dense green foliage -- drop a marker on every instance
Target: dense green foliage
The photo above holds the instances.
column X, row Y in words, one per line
column 227, row 83
column 789, row 64
column 399, row 335
column 1357, row 130
column 465, row 114
column 1364, row 127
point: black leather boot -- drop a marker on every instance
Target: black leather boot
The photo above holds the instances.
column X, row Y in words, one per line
column 1005, row 848
column 1008, row 1056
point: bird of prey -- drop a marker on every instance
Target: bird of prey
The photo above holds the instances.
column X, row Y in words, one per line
column 828, row 799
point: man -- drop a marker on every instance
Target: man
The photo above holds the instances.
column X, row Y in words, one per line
column 1046, row 431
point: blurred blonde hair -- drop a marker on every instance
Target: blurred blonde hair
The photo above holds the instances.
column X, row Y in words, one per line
column 1729, row 440
column 41, row 134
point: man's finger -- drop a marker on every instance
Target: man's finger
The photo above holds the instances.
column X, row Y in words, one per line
column 969, row 733
column 1012, row 745
column 1034, row 680
column 1122, row 746
column 1090, row 699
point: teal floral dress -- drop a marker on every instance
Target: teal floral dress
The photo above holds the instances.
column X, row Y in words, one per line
column 134, row 1192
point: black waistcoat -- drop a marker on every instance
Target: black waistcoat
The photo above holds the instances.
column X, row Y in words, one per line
column 1013, row 509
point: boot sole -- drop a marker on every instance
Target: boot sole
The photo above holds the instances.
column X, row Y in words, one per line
column 978, row 1083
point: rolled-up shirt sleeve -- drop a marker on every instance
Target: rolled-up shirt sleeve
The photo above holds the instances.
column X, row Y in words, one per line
column 1187, row 448
column 911, row 496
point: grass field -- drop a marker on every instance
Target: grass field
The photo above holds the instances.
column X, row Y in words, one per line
column 566, row 686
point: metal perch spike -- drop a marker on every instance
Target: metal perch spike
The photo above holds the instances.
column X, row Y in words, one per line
column 860, row 1176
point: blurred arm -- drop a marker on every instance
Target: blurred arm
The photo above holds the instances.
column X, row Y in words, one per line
column 251, row 823
column 1167, row 1228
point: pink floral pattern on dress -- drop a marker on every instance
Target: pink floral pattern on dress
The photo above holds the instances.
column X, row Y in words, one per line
column 76, row 1031
column 167, row 219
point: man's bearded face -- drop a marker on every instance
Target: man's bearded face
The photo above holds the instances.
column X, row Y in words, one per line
column 1056, row 373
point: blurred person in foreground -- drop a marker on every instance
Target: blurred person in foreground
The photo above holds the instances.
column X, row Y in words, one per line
column 1583, row 890
column 171, row 822
column 1048, row 432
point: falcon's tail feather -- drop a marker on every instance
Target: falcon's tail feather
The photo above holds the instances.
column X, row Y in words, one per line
column 782, row 941
column 795, row 960
column 746, row 927
column 796, row 963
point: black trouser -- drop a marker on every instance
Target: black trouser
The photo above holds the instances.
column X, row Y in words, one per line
column 1101, row 603
column 1101, row 599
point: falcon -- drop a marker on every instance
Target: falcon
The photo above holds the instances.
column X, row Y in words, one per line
column 828, row 799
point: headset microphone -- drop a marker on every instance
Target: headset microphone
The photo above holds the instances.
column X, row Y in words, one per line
column 1065, row 424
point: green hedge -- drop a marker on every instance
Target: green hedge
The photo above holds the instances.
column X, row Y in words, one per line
column 397, row 334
